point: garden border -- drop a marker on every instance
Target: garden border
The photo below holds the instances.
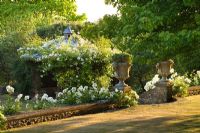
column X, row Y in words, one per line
column 55, row 113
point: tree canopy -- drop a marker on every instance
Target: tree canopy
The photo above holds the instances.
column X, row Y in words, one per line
column 155, row 30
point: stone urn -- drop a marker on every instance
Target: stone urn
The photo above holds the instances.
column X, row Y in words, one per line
column 121, row 71
column 164, row 84
column 164, row 68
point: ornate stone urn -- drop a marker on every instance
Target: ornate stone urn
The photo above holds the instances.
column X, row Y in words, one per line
column 164, row 85
column 121, row 65
column 164, row 68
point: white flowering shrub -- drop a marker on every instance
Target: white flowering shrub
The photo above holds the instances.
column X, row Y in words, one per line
column 195, row 78
column 43, row 102
column 122, row 99
column 2, row 121
column 72, row 66
column 83, row 95
column 10, row 105
column 151, row 84
column 180, row 84
column 93, row 94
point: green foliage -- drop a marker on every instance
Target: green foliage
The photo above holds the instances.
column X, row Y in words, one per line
column 10, row 106
column 41, row 104
column 94, row 94
column 107, row 27
column 195, row 78
column 24, row 22
column 155, row 30
column 180, row 87
column 124, row 99
column 3, row 121
column 122, row 57
column 72, row 66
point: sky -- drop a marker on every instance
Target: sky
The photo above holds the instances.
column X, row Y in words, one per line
column 94, row 9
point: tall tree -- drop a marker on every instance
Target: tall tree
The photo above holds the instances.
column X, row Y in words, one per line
column 156, row 30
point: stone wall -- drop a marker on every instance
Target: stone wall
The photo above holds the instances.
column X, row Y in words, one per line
column 55, row 114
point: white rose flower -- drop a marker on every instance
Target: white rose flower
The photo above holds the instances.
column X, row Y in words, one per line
column 174, row 75
column 26, row 98
column 94, row 85
column 59, row 94
column 172, row 70
column 73, row 89
column 81, row 88
column 51, row 100
column 188, row 80
column 10, row 89
column 65, row 90
column 44, row 97
column 19, row 96
column 155, row 79
column 85, row 87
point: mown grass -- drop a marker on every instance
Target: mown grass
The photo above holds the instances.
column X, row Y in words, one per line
column 182, row 116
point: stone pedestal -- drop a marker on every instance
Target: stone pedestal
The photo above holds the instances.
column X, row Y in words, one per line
column 161, row 94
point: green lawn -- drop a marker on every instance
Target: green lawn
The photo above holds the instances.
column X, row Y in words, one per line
column 180, row 116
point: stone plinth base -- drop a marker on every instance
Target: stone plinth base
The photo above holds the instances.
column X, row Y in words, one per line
column 161, row 94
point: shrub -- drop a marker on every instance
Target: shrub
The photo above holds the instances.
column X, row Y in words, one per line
column 180, row 84
column 71, row 66
column 122, row 99
column 10, row 105
column 122, row 57
column 195, row 78
column 94, row 94
column 83, row 95
column 180, row 87
column 151, row 84
column 42, row 103
column 2, row 121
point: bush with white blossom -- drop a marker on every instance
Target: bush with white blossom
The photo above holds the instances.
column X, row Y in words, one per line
column 151, row 84
column 72, row 66
column 180, row 83
column 122, row 99
column 85, row 94
column 195, row 78
column 69, row 96
column 43, row 102
column 11, row 105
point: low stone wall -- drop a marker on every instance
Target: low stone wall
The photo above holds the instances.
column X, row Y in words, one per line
column 194, row 90
column 30, row 118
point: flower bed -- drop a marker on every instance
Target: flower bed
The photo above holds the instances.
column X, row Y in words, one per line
column 68, row 97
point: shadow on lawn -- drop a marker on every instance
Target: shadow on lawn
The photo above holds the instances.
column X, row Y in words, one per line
column 156, row 125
